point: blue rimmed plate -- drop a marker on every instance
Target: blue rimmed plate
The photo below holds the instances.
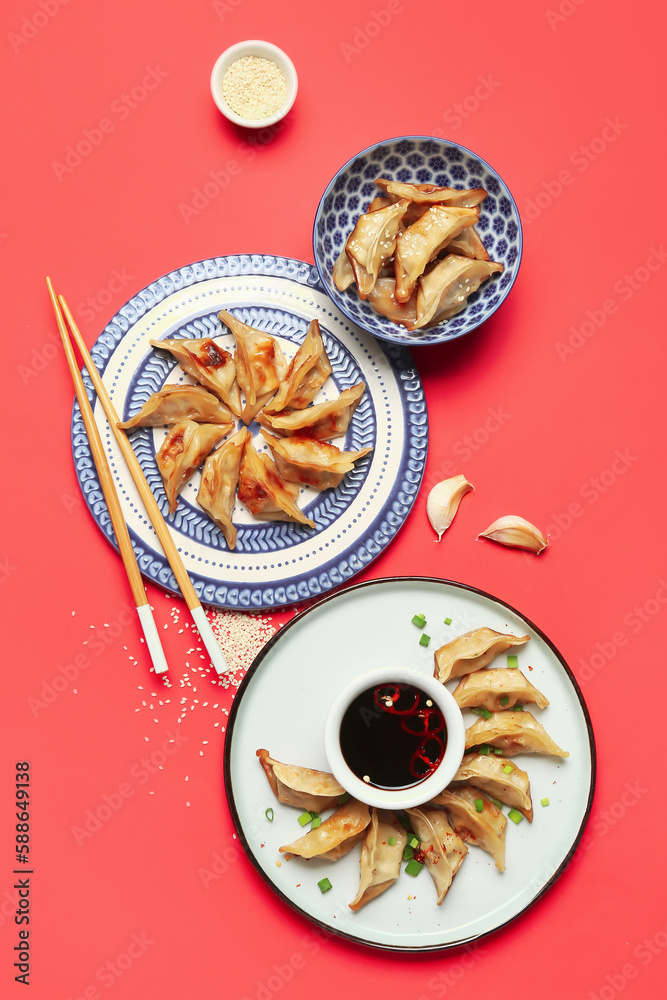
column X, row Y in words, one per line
column 418, row 159
column 274, row 563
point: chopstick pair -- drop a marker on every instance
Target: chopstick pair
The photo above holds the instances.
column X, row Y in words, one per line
column 63, row 313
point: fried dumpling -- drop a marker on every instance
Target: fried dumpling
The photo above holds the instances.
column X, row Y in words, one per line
column 472, row 651
column 298, row 786
column 498, row 779
column 443, row 850
column 260, row 364
column 513, row 732
column 444, row 290
column 485, row 828
column 383, row 299
column 343, row 274
column 321, row 421
column 501, row 687
column 378, row 203
column 182, row 452
column 380, row 862
column 180, row 402
column 468, row 244
column 431, row 194
column 309, row 370
column 311, row 462
column 210, row 364
column 264, row 491
column 423, row 240
column 371, row 242
column 336, row 835
column 219, row 480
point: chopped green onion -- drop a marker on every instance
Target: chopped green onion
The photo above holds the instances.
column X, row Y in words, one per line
column 515, row 815
column 413, row 841
column 419, row 621
column 305, row 818
column 269, row 814
column 498, row 804
column 391, row 841
column 408, row 852
column 512, row 661
column 448, row 621
column 479, row 805
column 317, row 821
column 503, row 701
column 498, row 751
column 413, row 867
column 424, row 639
column 484, row 712
column 544, row 802
column 404, row 821
column 508, row 768
column 485, row 749
column 342, row 799
column 324, row 885
column 518, row 708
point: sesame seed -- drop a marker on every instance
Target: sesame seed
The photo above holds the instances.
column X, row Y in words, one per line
column 254, row 88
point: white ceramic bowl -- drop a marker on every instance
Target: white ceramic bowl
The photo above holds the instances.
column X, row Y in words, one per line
column 265, row 50
column 396, row 798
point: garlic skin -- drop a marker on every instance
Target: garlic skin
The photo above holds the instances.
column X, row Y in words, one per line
column 443, row 502
column 516, row 532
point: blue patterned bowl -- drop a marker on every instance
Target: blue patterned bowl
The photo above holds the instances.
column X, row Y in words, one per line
column 421, row 160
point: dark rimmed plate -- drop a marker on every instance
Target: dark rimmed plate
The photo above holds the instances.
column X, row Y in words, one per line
column 282, row 703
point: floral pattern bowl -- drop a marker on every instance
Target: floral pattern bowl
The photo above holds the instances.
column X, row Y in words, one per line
column 418, row 160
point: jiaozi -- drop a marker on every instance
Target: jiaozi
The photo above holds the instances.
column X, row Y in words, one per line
column 219, row 480
column 183, row 450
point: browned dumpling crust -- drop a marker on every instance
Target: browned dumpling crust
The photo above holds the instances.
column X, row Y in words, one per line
column 302, row 787
column 371, row 242
column 184, row 449
column 380, row 861
column 180, row 402
column 311, row 462
column 485, row 828
column 265, row 493
column 472, row 651
column 498, row 778
column 260, row 365
column 219, row 479
column 343, row 829
column 307, row 373
column 497, row 688
column 209, row 364
column 321, row 421
column 513, row 733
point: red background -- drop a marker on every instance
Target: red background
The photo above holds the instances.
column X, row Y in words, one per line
column 553, row 79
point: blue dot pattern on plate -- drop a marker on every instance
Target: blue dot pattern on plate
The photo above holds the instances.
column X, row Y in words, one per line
column 269, row 567
column 418, row 159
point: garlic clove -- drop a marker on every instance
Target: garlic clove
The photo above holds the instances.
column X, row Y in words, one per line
column 443, row 502
column 516, row 532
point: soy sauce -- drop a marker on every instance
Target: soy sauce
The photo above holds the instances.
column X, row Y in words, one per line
column 393, row 736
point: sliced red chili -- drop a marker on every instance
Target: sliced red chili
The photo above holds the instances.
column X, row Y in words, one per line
column 388, row 699
column 427, row 756
column 425, row 720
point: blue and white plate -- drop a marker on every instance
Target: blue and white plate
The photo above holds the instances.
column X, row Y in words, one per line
column 418, row 159
column 274, row 563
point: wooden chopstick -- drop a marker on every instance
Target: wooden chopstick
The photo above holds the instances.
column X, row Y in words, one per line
column 111, row 498
column 149, row 502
